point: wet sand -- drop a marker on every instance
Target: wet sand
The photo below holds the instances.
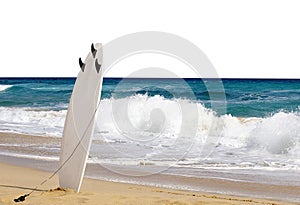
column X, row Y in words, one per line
column 16, row 181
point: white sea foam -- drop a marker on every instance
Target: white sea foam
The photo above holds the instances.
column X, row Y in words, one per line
column 233, row 131
column 278, row 134
column 45, row 158
column 4, row 87
column 32, row 121
column 157, row 129
column 231, row 140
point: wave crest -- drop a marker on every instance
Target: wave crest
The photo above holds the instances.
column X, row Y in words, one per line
column 4, row 87
column 152, row 116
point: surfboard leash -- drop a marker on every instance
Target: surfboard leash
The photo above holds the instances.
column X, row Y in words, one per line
column 82, row 66
column 23, row 197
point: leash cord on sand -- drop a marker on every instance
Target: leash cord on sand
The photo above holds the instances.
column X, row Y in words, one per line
column 22, row 198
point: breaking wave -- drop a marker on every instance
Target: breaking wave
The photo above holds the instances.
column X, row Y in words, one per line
column 161, row 128
column 159, row 121
column 4, row 87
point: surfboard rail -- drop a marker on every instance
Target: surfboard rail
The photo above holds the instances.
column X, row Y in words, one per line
column 80, row 120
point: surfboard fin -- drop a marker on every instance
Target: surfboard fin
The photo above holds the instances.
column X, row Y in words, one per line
column 97, row 65
column 82, row 65
column 94, row 51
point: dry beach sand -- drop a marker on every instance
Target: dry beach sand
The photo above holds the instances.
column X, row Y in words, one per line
column 16, row 180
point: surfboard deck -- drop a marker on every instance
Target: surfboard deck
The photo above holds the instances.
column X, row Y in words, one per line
column 80, row 121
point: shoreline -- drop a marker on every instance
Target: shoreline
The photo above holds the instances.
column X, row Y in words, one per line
column 98, row 191
column 211, row 182
column 201, row 184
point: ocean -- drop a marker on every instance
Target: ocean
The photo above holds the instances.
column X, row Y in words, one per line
column 245, row 130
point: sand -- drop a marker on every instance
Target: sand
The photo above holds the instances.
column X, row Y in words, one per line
column 16, row 181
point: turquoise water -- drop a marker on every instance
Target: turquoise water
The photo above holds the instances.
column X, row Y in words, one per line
column 244, row 97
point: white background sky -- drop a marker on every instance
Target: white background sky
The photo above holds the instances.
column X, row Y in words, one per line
column 242, row 38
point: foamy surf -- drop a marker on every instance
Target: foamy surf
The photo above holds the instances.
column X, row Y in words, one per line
column 32, row 121
column 4, row 87
column 275, row 135
column 222, row 142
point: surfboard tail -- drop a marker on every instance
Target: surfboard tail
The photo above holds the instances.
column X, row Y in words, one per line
column 80, row 120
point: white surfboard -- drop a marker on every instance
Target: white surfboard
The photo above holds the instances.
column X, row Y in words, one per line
column 80, row 120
